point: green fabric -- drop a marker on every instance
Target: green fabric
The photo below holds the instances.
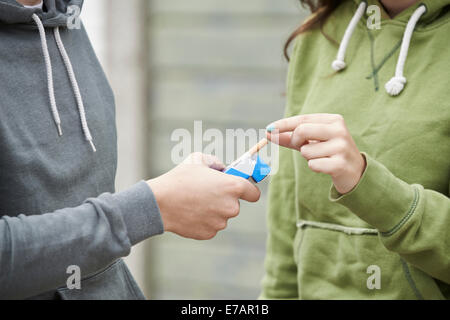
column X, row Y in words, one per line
column 404, row 190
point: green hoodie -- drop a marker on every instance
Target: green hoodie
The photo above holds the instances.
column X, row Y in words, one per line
column 394, row 226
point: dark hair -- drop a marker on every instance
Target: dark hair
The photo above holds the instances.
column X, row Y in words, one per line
column 321, row 10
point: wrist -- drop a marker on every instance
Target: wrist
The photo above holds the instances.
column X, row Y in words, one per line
column 160, row 193
column 345, row 184
column 380, row 198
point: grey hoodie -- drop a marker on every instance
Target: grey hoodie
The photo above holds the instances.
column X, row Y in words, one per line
column 57, row 202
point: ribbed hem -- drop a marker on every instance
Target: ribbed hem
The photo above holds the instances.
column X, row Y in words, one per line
column 380, row 198
column 140, row 212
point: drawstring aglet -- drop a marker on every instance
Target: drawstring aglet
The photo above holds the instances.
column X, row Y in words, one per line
column 92, row 146
column 59, row 129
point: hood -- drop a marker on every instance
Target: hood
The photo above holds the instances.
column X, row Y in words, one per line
column 56, row 14
column 434, row 9
column 422, row 14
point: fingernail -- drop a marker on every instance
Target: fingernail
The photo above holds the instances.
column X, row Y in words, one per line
column 270, row 127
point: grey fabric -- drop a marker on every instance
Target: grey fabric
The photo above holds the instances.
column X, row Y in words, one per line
column 57, row 202
column 104, row 284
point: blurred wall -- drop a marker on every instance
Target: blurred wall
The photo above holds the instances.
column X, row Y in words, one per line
column 220, row 62
column 171, row 62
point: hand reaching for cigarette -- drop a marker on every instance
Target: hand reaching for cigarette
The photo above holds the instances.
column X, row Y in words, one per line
column 325, row 142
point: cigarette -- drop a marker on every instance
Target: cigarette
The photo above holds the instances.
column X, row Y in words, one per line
column 261, row 144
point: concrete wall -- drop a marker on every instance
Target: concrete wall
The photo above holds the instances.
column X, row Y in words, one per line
column 220, row 62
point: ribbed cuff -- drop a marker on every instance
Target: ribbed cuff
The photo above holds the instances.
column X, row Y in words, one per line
column 140, row 212
column 381, row 199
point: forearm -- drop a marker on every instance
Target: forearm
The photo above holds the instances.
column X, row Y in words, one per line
column 35, row 251
column 412, row 221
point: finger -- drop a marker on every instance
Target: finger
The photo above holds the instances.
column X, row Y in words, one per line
column 321, row 149
column 234, row 211
column 213, row 162
column 282, row 139
column 205, row 159
column 326, row 165
column 248, row 191
column 312, row 131
column 230, row 208
column 289, row 124
column 194, row 158
column 220, row 224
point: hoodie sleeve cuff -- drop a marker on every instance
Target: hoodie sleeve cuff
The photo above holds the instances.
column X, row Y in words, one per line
column 381, row 199
column 140, row 212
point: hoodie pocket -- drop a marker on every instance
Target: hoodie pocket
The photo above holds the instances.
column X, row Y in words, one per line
column 113, row 283
column 338, row 262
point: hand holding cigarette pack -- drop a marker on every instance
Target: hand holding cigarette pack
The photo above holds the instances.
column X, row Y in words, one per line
column 250, row 164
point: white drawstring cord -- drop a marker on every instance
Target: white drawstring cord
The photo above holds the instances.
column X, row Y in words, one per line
column 397, row 83
column 73, row 80
column 75, row 87
column 339, row 63
column 48, row 65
